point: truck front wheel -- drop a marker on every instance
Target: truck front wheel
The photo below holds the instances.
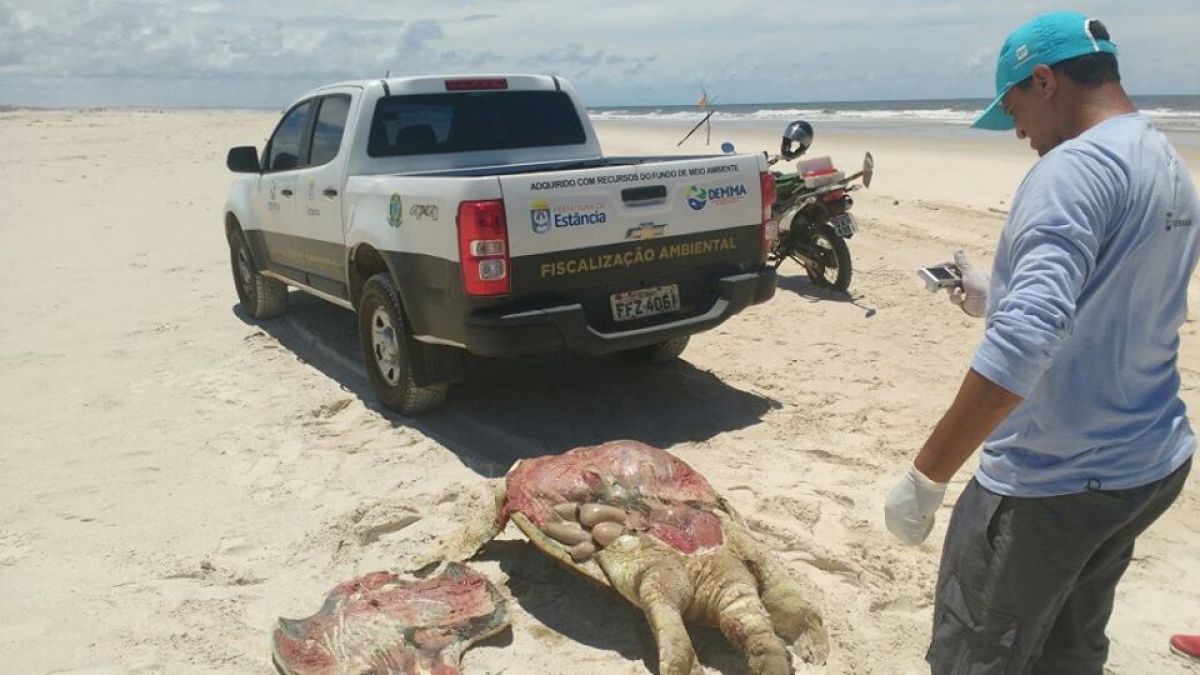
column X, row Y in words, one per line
column 386, row 356
column 261, row 297
column 661, row 352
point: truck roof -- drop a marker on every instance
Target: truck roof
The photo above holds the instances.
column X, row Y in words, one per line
column 432, row 84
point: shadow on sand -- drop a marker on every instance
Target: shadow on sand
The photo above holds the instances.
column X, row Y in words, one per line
column 513, row 408
column 801, row 285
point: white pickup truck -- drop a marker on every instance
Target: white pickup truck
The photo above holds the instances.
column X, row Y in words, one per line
column 478, row 214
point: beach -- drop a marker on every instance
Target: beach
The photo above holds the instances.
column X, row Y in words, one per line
column 177, row 476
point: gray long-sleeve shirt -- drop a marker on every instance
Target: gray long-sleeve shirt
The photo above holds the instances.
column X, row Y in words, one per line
column 1088, row 293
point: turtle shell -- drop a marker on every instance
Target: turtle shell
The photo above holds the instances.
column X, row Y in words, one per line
column 660, row 495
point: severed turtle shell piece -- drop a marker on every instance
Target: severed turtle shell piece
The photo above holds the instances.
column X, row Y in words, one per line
column 380, row 624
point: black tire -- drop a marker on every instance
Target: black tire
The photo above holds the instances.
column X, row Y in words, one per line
column 383, row 335
column 260, row 297
column 833, row 249
column 658, row 353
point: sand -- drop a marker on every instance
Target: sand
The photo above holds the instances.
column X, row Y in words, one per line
column 176, row 476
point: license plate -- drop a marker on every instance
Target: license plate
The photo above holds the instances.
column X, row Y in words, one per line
column 644, row 302
column 844, row 224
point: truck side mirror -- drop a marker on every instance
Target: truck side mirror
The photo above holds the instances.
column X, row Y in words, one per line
column 243, row 159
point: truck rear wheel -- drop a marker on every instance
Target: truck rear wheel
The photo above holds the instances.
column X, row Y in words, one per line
column 383, row 335
column 261, row 297
column 661, row 352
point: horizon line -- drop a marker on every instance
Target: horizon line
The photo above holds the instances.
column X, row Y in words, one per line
column 7, row 106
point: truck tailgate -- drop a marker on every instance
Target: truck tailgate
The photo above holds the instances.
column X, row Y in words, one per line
column 627, row 225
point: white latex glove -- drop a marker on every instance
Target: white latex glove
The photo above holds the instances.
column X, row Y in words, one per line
column 971, row 294
column 912, row 505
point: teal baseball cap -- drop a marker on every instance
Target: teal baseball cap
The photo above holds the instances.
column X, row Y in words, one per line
column 1047, row 39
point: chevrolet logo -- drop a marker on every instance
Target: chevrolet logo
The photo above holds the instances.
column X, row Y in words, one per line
column 645, row 231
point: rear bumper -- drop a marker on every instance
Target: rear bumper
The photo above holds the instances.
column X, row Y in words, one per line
column 566, row 327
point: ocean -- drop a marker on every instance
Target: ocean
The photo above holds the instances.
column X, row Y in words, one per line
column 1178, row 115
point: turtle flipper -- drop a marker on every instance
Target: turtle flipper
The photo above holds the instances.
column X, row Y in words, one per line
column 793, row 617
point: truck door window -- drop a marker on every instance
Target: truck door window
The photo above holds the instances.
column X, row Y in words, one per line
column 425, row 124
column 327, row 135
column 283, row 150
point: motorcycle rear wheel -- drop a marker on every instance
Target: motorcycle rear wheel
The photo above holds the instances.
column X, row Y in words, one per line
column 833, row 250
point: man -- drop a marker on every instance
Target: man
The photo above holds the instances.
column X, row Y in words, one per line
column 1074, row 390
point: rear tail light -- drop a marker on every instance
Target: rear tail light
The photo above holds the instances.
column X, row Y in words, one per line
column 483, row 247
column 770, row 227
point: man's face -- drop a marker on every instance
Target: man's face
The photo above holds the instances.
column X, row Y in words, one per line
column 1031, row 108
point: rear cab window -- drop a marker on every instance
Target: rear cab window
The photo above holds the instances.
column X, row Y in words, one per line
column 428, row 124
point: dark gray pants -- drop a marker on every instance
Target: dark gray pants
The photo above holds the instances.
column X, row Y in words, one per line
column 1026, row 585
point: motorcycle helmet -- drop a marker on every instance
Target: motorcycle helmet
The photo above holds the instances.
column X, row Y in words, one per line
column 797, row 137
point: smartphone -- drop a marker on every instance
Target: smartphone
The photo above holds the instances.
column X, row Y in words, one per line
column 940, row 276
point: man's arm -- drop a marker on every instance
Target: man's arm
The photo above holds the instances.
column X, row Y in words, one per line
column 1053, row 236
column 978, row 408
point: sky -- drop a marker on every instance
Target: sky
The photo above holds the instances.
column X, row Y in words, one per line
column 264, row 54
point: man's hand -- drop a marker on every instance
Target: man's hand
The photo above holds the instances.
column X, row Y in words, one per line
column 912, row 505
column 971, row 294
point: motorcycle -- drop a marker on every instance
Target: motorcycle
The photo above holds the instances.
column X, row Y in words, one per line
column 812, row 208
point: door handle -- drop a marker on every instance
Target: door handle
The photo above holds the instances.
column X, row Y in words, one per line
column 330, row 192
column 286, row 192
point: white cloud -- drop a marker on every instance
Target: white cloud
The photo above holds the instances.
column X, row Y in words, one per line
column 207, row 8
column 570, row 53
column 413, row 36
column 983, row 60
